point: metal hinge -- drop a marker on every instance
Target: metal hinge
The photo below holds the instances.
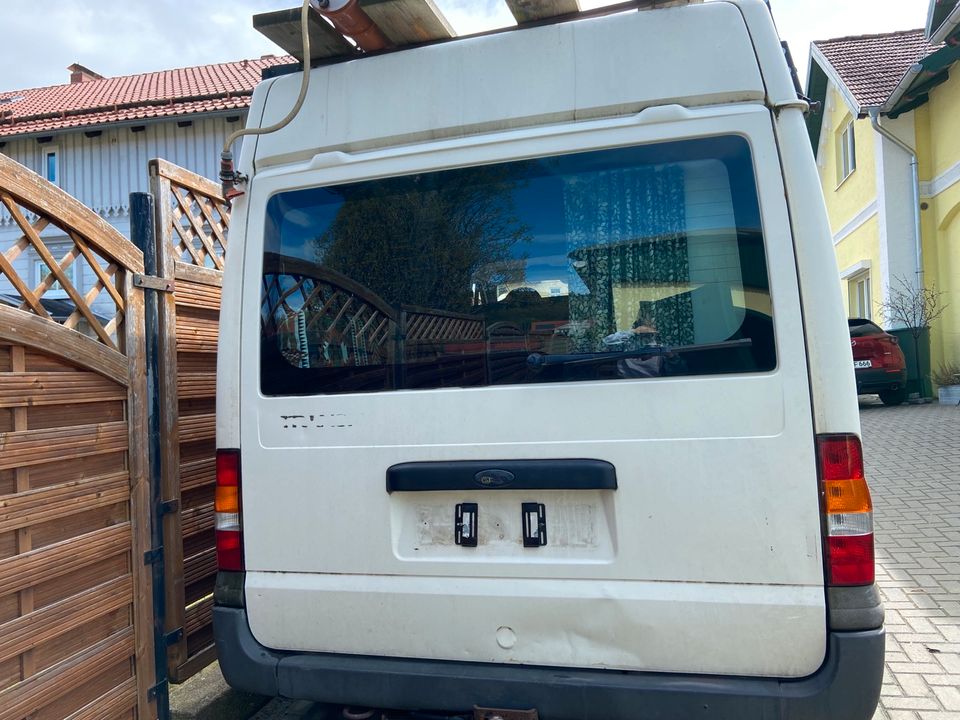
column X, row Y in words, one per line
column 154, row 692
column 168, row 506
column 149, row 282
column 174, row 636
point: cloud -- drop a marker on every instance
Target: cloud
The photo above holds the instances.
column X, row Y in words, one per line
column 120, row 37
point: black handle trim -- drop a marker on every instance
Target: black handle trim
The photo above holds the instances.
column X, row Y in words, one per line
column 574, row 474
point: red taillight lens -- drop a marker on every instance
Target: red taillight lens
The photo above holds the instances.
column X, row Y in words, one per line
column 851, row 559
column 841, row 457
column 226, row 505
column 848, row 510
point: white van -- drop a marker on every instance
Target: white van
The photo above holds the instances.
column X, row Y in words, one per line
column 535, row 389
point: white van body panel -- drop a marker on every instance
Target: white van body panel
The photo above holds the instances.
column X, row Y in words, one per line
column 563, row 623
column 828, row 342
column 707, row 558
column 717, row 505
column 558, row 73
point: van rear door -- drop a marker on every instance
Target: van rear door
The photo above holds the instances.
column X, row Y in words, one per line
column 542, row 400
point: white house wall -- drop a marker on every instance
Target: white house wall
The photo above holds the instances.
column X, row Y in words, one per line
column 102, row 171
column 894, row 193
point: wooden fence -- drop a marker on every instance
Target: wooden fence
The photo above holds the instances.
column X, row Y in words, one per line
column 76, row 619
column 191, row 230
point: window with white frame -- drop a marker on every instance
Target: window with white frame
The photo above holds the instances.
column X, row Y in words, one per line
column 859, row 292
column 848, row 152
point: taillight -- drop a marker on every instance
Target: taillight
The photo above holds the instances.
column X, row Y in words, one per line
column 226, row 507
column 848, row 510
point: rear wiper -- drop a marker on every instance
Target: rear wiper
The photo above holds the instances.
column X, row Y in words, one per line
column 537, row 361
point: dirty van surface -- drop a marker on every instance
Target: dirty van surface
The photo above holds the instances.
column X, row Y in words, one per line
column 535, row 386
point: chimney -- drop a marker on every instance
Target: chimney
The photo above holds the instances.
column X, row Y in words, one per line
column 79, row 74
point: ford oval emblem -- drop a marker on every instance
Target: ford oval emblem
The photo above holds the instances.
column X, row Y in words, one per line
column 493, row 478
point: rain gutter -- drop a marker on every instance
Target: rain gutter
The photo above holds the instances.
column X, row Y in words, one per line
column 947, row 27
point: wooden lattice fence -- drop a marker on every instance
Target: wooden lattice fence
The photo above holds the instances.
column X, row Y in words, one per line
column 191, row 230
column 76, row 622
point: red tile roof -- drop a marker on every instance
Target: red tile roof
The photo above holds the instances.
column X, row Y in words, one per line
column 184, row 91
column 872, row 65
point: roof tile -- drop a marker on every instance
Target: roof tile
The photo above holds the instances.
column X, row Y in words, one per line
column 167, row 93
column 872, row 65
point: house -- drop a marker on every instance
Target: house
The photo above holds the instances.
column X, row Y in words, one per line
column 887, row 146
column 93, row 136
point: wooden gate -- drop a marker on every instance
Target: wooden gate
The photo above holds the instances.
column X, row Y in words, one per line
column 76, row 619
column 192, row 222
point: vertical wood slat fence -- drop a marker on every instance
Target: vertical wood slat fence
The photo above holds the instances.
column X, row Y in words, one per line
column 192, row 224
column 76, row 616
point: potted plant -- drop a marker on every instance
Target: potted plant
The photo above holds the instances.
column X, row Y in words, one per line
column 948, row 378
column 913, row 307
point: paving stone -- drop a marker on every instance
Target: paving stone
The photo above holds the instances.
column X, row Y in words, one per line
column 913, row 468
column 949, row 697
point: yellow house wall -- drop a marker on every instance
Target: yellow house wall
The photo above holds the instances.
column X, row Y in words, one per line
column 859, row 189
column 938, row 143
column 944, row 110
column 860, row 245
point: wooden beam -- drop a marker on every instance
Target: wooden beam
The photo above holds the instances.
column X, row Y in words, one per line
column 185, row 178
column 530, row 10
column 55, row 269
column 37, row 195
column 42, row 335
column 283, row 28
column 409, row 22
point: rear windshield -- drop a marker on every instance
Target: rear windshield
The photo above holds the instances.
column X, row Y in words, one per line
column 620, row 264
column 863, row 328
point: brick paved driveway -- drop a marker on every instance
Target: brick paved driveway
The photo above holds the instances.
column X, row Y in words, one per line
column 912, row 456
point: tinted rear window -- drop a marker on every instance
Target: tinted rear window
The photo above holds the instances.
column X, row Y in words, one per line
column 629, row 263
column 863, row 328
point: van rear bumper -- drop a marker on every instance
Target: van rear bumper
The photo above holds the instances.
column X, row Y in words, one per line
column 846, row 686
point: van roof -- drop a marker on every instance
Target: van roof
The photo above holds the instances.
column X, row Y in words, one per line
column 547, row 74
column 409, row 25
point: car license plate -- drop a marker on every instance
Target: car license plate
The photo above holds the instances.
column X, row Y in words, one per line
column 862, row 364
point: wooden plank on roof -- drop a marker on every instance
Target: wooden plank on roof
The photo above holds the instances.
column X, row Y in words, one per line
column 408, row 22
column 529, row 10
column 283, row 28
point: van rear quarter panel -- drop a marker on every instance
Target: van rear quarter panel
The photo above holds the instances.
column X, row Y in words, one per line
column 713, row 563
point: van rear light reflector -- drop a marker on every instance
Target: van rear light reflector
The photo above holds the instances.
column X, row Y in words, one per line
column 848, row 511
column 226, row 505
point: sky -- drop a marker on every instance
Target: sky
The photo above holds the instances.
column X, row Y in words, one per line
column 124, row 37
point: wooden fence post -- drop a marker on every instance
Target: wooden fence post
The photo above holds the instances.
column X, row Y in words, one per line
column 192, row 221
column 143, row 236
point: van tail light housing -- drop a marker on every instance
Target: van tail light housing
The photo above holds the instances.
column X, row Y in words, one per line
column 226, row 507
column 847, row 509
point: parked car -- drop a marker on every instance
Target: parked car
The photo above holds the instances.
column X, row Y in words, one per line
column 878, row 362
column 422, row 504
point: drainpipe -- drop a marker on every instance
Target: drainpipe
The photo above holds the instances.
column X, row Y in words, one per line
column 914, row 166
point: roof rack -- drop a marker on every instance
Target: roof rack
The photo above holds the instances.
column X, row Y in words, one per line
column 411, row 23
